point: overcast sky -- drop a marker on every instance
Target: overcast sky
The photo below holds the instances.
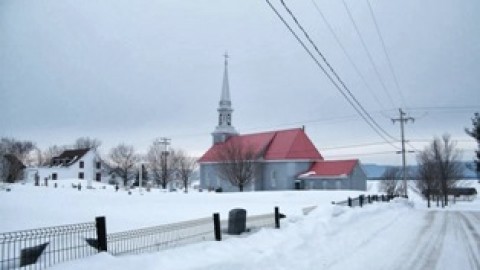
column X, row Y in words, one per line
column 132, row 71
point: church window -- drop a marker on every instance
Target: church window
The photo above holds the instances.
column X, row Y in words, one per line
column 310, row 184
column 80, row 175
column 229, row 119
column 219, row 119
column 81, row 164
column 339, row 184
column 273, row 179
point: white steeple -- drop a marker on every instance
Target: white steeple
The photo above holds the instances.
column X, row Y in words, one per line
column 225, row 97
column 224, row 128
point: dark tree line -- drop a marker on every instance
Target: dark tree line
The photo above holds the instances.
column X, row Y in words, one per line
column 475, row 134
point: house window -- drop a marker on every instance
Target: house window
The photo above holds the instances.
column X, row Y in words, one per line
column 99, row 165
column 81, row 164
column 54, row 176
column 98, row 177
column 80, row 175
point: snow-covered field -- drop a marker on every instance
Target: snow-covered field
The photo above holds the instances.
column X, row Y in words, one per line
column 397, row 235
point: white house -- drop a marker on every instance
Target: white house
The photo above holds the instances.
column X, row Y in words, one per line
column 82, row 164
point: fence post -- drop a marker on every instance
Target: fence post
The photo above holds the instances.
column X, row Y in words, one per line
column 360, row 200
column 369, row 199
column 349, row 201
column 383, row 198
column 277, row 218
column 101, row 226
column 217, row 227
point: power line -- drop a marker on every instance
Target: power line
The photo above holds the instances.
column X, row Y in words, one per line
column 386, row 53
column 350, row 97
column 370, row 58
column 340, row 44
column 361, row 154
column 353, row 146
column 443, row 108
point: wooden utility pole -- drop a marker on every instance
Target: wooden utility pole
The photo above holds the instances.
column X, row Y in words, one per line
column 403, row 120
column 165, row 142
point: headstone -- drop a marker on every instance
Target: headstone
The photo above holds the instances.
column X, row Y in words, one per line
column 237, row 221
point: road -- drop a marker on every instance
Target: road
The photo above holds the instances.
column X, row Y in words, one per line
column 437, row 240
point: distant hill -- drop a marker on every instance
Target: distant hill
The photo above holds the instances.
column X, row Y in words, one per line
column 375, row 171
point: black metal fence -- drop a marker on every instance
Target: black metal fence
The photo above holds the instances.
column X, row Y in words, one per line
column 160, row 237
column 178, row 234
column 43, row 247
column 366, row 199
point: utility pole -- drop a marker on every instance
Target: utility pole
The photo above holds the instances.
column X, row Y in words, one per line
column 165, row 142
column 403, row 120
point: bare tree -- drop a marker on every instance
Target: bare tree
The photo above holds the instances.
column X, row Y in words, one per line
column 13, row 155
column 87, row 142
column 186, row 165
column 162, row 164
column 20, row 149
column 122, row 162
column 427, row 183
column 4, row 167
column 440, row 164
column 238, row 163
column 45, row 157
column 392, row 183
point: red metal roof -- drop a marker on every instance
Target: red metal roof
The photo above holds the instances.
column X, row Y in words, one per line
column 273, row 145
column 330, row 168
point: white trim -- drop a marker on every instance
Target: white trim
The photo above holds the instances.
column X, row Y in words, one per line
column 332, row 177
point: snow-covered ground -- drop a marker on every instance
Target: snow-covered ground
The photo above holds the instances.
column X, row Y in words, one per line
column 397, row 235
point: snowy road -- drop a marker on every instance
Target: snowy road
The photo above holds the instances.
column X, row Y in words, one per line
column 377, row 237
column 435, row 240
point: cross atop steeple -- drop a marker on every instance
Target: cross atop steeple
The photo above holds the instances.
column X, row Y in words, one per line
column 224, row 128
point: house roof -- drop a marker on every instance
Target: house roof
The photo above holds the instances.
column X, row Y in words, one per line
column 70, row 156
column 331, row 168
column 274, row 145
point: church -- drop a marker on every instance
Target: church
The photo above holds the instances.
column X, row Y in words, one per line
column 288, row 158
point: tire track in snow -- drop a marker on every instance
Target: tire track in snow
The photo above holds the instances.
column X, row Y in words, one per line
column 366, row 240
column 426, row 249
column 468, row 233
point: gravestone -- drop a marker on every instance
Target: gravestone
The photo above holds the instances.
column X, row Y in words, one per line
column 237, row 221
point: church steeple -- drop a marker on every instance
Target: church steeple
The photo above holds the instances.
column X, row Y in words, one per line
column 224, row 128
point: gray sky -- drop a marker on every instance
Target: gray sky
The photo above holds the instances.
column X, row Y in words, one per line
column 132, row 71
